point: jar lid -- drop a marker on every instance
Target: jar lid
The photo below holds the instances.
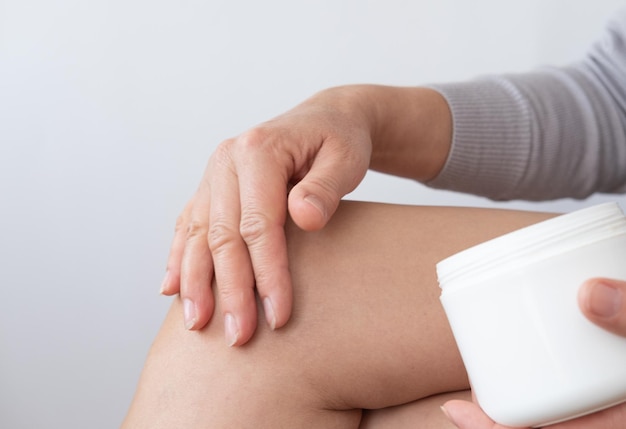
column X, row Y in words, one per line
column 530, row 244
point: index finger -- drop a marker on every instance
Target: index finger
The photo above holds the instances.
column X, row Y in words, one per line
column 263, row 179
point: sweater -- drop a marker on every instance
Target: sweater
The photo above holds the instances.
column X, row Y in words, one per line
column 546, row 134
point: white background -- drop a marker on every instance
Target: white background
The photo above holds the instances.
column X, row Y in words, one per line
column 109, row 111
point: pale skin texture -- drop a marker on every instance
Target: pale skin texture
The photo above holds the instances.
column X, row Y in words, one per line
column 230, row 248
column 367, row 331
column 233, row 226
column 361, row 285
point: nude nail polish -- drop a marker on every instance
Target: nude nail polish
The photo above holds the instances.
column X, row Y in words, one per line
column 165, row 283
column 317, row 203
column 448, row 416
column 604, row 300
column 231, row 330
column 190, row 313
column 270, row 315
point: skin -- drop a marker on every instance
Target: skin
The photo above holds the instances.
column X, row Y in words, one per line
column 229, row 245
column 367, row 332
column 321, row 149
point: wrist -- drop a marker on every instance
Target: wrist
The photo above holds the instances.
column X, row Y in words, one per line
column 410, row 127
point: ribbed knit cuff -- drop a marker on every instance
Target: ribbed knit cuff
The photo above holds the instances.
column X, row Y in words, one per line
column 491, row 138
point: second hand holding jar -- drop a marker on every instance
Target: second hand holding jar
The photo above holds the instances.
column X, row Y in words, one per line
column 532, row 358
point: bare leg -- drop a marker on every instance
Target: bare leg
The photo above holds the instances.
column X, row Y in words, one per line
column 367, row 331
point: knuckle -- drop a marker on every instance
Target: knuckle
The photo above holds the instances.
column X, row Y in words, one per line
column 253, row 227
column 179, row 226
column 222, row 156
column 220, row 234
column 195, row 229
column 253, row 139
column 233, row 295
column 183, row 217
column 271, row 144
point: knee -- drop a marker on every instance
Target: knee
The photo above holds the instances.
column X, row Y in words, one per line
column 193, row 379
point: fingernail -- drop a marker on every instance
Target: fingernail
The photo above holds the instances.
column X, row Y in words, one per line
column 445, row 413
column 166, row 281
column 604, row 300
column 230, row 330
column 270, row 316
column 317, row 203
column 190, row 314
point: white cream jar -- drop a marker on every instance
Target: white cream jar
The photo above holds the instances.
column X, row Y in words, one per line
column 533, row 359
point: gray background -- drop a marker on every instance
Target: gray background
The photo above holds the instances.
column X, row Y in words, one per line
column 109, row 111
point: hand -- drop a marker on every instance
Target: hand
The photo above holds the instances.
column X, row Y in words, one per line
column 468, row 415
column 603, row 302
column 233, row 227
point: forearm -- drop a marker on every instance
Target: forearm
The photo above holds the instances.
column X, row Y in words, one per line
column 413, row 131
column 552, row 133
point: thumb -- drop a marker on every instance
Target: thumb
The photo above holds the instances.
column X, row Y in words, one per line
column 468, row 415
column 333, row 174
column 602, row 301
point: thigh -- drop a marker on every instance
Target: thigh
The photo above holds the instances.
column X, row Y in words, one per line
column 367, row 299
column 367, row 329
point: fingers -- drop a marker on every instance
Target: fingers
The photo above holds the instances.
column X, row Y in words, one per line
column 189, row 265
column 468, row 415
column 233, row 229
column 335, row 172
column 246, row 236
column 263, row 179
column 238, row 236
column 233, row 267
column 171, row 281
column 196, row 264
column 602, row 301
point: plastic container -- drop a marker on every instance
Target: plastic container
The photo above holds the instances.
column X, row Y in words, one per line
column 532, row 358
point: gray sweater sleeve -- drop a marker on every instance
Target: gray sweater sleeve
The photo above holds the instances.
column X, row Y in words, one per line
column 558, row 132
